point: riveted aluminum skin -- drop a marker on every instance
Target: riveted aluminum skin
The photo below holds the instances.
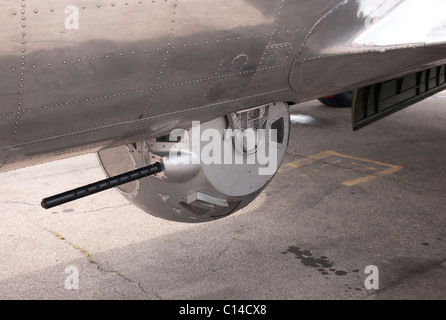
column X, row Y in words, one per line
column 80, row 76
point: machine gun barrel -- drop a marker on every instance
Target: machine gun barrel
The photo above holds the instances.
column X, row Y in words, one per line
column 102, row 185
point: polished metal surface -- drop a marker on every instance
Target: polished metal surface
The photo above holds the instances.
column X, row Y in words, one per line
column 80, row 76
column 203, row 180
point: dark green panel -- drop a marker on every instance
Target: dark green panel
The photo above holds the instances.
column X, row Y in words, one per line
column 377, row 101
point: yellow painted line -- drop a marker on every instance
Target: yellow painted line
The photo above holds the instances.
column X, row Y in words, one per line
column 363, row 166
column 331, row 163
column 302, row 162
column 390, row 168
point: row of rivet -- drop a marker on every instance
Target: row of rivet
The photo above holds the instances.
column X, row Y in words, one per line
column 147, row 122
column 142, row 91
column 83, row 7
column 87, row 100
column 276, row 22
column 132, row 52
column 168, row 48
column 22, row 74
column 22, row 68
column 188, row 82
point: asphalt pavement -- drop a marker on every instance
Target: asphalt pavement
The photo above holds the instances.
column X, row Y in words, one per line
column 350, row 215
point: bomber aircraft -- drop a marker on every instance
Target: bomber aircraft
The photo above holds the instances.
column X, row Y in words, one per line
column 186, row 102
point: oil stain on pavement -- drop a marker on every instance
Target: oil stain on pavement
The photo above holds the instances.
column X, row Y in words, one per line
column 322, row 263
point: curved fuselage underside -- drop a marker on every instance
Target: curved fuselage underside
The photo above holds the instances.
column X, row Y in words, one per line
column 80, row 76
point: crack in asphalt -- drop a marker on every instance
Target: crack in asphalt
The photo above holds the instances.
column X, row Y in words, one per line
column 61, row 173
column 105, row 208
column 411, row 274
column 84, row 252
column 108, row 270
column 222, row 251
column 105, row 269
column 19, row 202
